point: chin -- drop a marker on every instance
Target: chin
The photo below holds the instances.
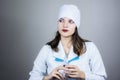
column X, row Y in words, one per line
column 66, row 36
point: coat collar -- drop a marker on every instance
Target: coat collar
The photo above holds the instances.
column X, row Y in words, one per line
column 61, row 56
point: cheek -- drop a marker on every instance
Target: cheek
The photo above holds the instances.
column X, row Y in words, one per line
column 59, row 26
column 72, row 30
column 59, row 29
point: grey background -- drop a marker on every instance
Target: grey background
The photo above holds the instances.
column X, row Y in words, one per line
column 26, row 25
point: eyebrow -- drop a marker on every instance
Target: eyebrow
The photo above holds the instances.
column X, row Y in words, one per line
column 60, row 18
column 64, row 19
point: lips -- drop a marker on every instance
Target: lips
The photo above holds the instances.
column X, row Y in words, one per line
column 64, row 30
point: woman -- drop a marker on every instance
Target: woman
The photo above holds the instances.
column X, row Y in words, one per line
column 68, row 56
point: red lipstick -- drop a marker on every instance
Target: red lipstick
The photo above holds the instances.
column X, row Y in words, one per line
column 64, row 30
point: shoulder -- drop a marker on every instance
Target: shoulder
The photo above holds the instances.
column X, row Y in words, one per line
column 46, row 47
column 90, row 44
column 43, row 53
column 44, row 50
column 91, row 48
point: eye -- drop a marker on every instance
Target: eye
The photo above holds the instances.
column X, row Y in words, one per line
column 71, row 21
column 61, row 20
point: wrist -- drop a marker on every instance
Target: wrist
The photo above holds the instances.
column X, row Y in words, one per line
column 83, row 76
column 46, row 78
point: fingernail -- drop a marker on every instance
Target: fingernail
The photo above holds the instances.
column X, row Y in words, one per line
column 63, row 65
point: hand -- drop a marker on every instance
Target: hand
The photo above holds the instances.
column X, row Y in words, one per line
column 55, row 74
column 74, row 72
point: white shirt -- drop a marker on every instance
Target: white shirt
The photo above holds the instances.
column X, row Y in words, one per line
column 90, row 62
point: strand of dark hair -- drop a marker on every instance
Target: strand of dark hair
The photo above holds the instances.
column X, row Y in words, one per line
column 79, row 46
column 54, row 42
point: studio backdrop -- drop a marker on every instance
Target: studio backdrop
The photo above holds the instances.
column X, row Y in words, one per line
column 27, row 25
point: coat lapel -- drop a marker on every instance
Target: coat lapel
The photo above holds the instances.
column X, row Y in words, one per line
column 72, row 56
column 61, row 57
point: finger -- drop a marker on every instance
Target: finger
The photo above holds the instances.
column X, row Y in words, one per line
column 71, row 73
column 60, row 75
column 56, row 76
column 68, row 71
column 61, row 68
column 72, row 70
column 70, row 66
column 73, row 76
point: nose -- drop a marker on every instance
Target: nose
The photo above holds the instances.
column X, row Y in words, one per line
column 65, row 24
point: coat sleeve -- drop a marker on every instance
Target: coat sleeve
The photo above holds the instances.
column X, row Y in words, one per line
column 39, row 68
column 96, row 64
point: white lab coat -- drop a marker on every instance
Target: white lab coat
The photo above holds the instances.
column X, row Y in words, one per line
column 90, row 62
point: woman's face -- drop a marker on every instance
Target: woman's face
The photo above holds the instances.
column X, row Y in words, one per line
column 66, row 27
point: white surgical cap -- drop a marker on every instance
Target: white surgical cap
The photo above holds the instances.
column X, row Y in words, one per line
column 70, row 11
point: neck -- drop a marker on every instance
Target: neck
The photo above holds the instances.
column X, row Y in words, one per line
column 66, row 41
